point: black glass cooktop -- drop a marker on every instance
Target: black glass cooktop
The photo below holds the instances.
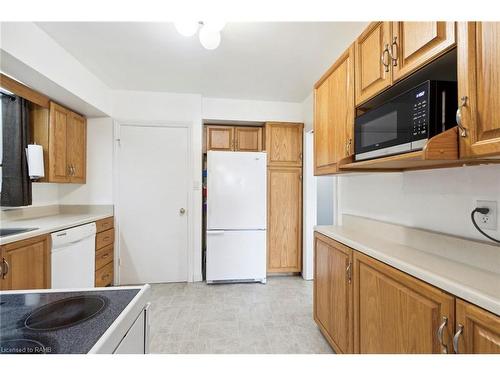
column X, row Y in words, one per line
column 62, row 322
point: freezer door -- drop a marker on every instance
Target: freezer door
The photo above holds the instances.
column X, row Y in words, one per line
column 236, row 195
column 236, row 255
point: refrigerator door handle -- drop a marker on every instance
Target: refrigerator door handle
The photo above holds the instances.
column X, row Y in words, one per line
column 215, row 232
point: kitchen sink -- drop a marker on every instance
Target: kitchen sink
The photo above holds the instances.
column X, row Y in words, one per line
column 11, row 231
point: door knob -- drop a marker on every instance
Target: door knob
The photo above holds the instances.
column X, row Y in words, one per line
column 182, row 211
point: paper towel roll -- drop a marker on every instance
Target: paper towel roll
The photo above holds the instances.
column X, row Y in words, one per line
column 34, row 154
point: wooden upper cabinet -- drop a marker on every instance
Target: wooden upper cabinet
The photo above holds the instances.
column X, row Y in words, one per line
column 220, row 138
column 247, row 138
column 26, row 264
column 284, row 144
column 478, row 45
column 478, row 331
column 284, row 219
column 63, row 136
column 333, row 292
column 396, row 313
column 334, row 115
column 58, row 168
column 371, row 53
column 77, row 142
column 414, row 44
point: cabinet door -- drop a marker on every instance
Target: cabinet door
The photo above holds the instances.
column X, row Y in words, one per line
column 248, row 138
column 333, row 292
column 220, row 138
column 480, row 330
column 284, row 221
column 284, row 144
column 334, row 115
column 414, row 44
column 478, row 45
column 58, row 168
column 26, row 264
column 77, row 148
column 371, row 47
column 397, row 313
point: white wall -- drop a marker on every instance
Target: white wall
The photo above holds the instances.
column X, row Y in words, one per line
column 250, row 110
column 308, row 112
column 309, row 199
column 309, row 206
column 440, row 200
column 325, row 200
column 44, row 194
column 98, row 188
column 30, row 55
column 157, row 108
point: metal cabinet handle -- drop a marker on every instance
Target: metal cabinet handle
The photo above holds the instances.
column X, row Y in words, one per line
column 384, row 53
column 348, row 271
column 457, row 337
column 348, row 147
column 5, row 268
column 182, row 211
column 394, row 55
column 458, row 117
column 442, row 326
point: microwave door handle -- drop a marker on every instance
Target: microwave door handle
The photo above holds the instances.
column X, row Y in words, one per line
column 443, row 111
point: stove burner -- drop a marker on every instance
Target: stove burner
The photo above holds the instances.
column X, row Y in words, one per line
column 21, row 346
column 64, row 313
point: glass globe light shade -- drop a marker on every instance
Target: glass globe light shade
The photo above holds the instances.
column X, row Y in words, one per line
column 209, row 38
column 187, row 28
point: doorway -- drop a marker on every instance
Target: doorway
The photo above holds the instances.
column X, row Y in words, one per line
column 152, row 195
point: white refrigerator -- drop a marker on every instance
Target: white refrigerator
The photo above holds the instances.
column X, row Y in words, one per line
column 236, row 216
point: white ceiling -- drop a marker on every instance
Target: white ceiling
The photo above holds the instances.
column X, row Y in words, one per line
column 262, row 61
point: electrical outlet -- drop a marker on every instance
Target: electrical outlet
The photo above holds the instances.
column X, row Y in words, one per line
column 488, row 221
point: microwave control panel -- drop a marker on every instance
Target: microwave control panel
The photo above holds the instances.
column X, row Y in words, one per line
column 420, row 117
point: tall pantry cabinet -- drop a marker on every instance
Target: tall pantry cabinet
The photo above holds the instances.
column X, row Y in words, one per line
column 284, row 196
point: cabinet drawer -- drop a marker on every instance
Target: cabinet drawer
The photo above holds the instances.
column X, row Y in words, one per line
column 104, row 276
column 104, row 224
column 104, row 238
column 103, row 256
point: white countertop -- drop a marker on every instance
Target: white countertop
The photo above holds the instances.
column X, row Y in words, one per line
column 49, row 224
column 467, row 269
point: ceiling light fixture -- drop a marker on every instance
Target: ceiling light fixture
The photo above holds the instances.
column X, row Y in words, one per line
column 187, row 28
column 209, row 32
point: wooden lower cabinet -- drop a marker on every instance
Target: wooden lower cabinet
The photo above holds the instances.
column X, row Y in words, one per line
column 396, row 313
column 477, row 330
column 284, row 220
column 333, row 292
column 104, row 276
column 104, row 250
column 26, row 264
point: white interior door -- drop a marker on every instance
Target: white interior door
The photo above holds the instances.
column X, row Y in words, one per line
column 153, row 178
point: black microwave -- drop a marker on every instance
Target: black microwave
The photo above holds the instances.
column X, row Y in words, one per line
column 405, row 122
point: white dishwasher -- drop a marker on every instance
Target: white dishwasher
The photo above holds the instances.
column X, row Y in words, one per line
column 73, row 257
